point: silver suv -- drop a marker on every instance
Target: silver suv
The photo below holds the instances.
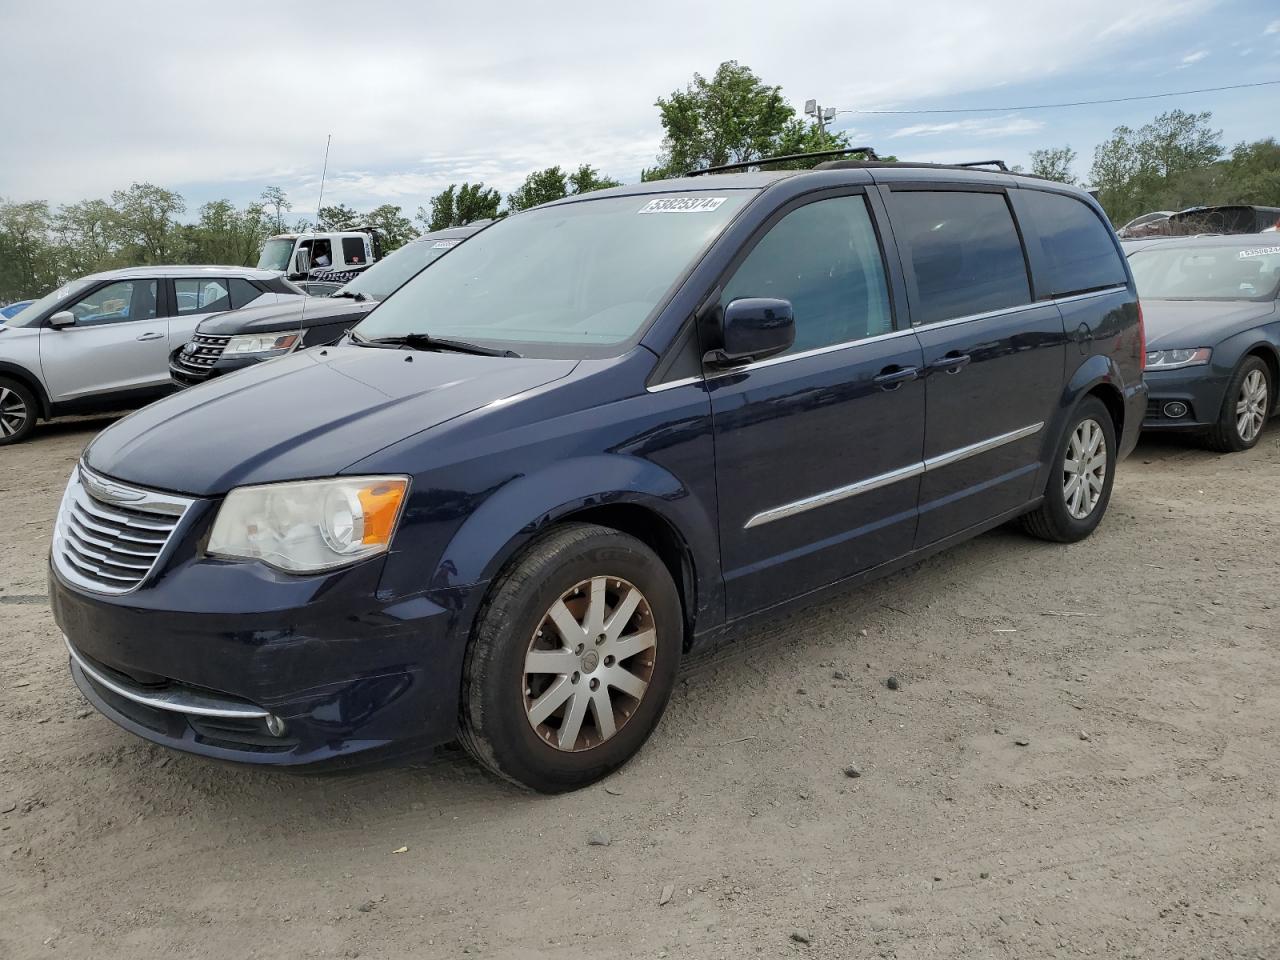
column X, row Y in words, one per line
column 103, row 342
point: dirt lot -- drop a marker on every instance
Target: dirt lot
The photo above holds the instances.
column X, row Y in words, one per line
column 1082, row 759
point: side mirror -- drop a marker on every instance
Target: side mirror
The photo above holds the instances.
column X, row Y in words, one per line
column 754, row 328
column 63, row 318
column 302, row 262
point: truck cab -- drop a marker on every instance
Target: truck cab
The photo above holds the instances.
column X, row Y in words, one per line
column 301, row 254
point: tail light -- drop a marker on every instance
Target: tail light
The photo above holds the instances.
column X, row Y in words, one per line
column 1142, row 340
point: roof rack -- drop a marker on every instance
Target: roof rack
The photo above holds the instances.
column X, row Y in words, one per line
column 998, row 164
column 869, row 152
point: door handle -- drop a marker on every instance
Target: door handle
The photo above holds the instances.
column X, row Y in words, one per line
column 891, row 378
column 951, row 362
column 150, row 336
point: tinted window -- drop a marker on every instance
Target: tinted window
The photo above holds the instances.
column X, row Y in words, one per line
column 123, row 300
column 823, row 257
column 963, row 250
column 1078, row 251
column 353, row 249
column 243, row 292
column 205, row 295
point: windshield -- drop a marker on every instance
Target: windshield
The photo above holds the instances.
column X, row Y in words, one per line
column 29, row 316
column 1244, row 271
column 275, row 255
column 572, row 280
column 389, row 275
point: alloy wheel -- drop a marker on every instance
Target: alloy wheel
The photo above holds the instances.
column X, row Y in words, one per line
column 1251, row 406
column 589, row 663
column 1084, row 472
column 13, row 412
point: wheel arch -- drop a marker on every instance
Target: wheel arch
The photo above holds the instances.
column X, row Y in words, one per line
column 31, row 382
column 634, row 496
column 1269, row 354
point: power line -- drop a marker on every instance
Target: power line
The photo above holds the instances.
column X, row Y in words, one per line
column 1074, row 103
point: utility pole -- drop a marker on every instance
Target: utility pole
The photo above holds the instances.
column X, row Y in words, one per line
column 821, row 116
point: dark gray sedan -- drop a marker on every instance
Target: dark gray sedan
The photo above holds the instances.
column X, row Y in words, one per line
column 1213, row 335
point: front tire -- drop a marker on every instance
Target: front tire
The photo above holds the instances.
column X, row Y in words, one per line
column 572, row 660
column 1245, row 408
column 1079, row 486
column 18, row 411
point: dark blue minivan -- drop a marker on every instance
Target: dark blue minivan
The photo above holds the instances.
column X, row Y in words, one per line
column 596, row 435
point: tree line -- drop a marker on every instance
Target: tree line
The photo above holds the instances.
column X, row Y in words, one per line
column 1175, row 161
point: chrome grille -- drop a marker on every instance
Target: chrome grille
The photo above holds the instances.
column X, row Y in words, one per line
column 202, row 352
column 109, row 536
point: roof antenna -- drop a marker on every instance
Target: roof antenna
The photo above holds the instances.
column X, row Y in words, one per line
column 324, row 173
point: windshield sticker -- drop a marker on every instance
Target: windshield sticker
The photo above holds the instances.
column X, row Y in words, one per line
column 444, row 244
column 682, row 205
column 1258, row 252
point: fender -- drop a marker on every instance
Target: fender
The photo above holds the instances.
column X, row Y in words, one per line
column 524, row 507
column 32, row 381
column 1095, row 370
column 1228, row 353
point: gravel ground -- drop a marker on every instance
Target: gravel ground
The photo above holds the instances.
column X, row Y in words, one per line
column 1081, row 758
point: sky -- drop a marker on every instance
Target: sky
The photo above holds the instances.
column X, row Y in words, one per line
column 222, row 99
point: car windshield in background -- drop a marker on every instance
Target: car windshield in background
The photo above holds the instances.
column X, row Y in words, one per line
column 385, row 277
column 31, row 314
column 571, row 280
column 1246, row 271
column 275, row 255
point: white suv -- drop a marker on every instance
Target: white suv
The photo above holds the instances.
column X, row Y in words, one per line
column 103, row 342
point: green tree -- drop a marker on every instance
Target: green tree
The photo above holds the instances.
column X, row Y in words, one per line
column 337, row 217
column 1054, row 163
column 147, row 219
column 28, row 258
column 277, row 201
column 88, row 237
column 456, row 206
column 587, row 178
column 731, row 118
column 1160, row 166
column 225, row 235
column 390, row 221
column 1252, row 174
column 541, row 186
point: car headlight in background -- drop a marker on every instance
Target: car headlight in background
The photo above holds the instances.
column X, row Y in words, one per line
column 311, row 525
column 262, row 342
column 1176, row 359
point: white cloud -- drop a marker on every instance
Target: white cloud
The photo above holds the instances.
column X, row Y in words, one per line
column 1196, row 57
column 1272, row 27
column 991, row 127
column 417, row 95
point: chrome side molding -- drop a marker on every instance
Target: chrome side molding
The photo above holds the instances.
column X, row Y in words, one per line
column 893, row 476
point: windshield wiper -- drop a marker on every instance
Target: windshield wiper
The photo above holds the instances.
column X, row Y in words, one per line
column 423, row 341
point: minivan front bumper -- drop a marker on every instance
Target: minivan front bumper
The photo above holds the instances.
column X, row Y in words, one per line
column 331, row 675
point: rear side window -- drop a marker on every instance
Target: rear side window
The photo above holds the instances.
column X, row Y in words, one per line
column 824, row 258
column 243, row 293
column 353, row 249
column 1079, row 254
column 962, row 252
column 205, row 295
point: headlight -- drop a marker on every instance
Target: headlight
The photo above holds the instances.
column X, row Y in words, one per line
column 309, row 526
column 262, row 342
column 1176, row 359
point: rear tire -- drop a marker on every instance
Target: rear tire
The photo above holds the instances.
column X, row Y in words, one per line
column 1079, row 486
column 573, row 658
column 18, row 411
column 1245, row 408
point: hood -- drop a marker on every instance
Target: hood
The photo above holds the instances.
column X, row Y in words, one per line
column 1173, row 324
column 8, row 333
column 310, row 414
column 289, row 315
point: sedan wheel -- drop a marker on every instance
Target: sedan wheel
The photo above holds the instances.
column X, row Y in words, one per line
column 17, row 411
column 1252, row 404
column 1084, row 471
column 589, row 663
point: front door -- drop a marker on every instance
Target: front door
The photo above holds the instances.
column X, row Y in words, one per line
column 817, row 449
column 118, row 344
column 995, row 361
